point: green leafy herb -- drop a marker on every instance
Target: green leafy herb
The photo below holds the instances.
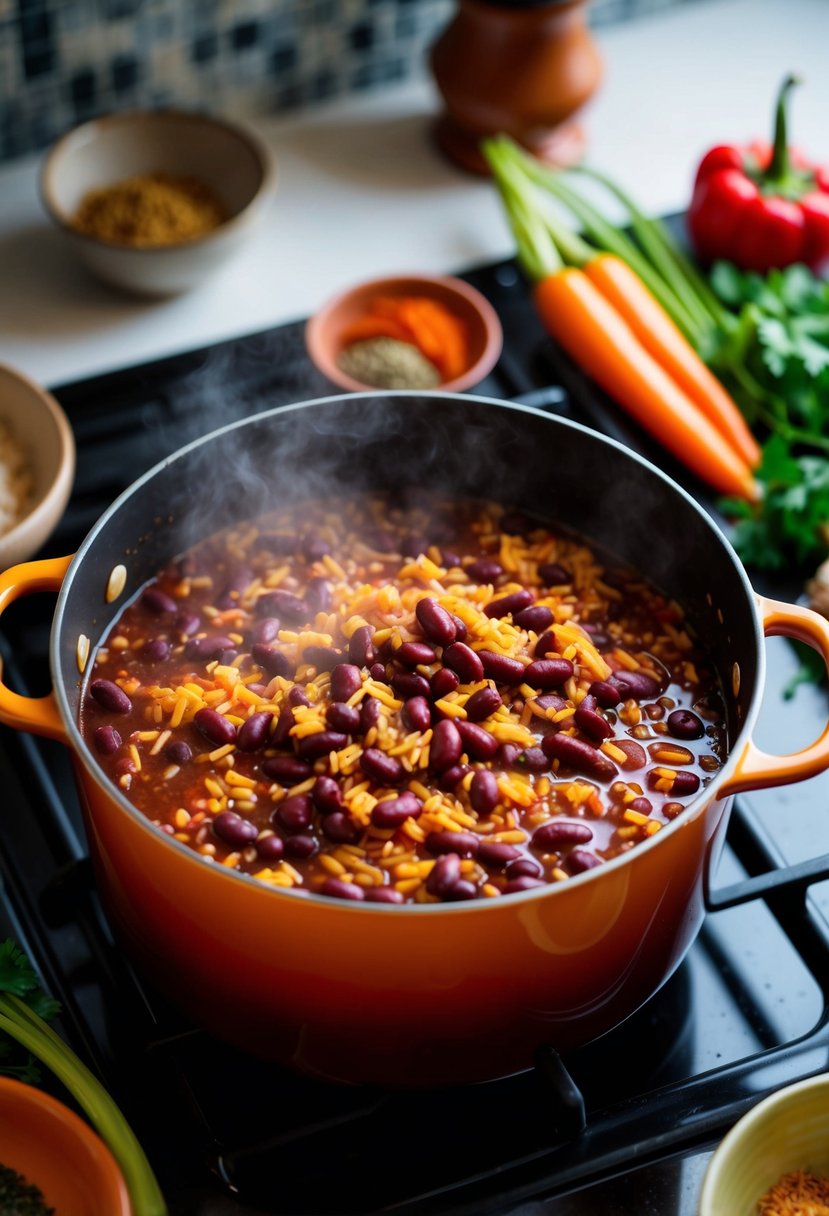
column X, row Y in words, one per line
column 19, row 1197
column 23, row 1008
column 18, row 978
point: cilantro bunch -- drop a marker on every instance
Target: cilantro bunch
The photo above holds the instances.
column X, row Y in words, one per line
column 772, row 350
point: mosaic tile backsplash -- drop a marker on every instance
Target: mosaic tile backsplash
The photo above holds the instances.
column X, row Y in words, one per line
column 63, row 61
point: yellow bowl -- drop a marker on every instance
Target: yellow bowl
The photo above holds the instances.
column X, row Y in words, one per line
column 787, row 1131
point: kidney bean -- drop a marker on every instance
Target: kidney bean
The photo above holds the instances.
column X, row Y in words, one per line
column 465, row 844
column 461, row 631
column 272, row 661
column 545, row 645
column 446, row 746
column 598, row 637
column 533, row 760
column 270, row 848
column 409, row 684
column 493, row 853
column 548, row 673
column 324, row 658
column 477, row 741
column 635, row 684
column 437, row 624
column 158, row 602
column 685, row 783
column 187, row 623
column 311, row 747
column 416, row 714
column 207, row 647
column 485, row 570
column 156, row 650
column 379, row 767
column 525, row 867
column 346, row 679
column 516, row 601
column 482, row 704
column 606, row 694
column 178, row 752
column 537, row 617
column 581, row 756
column 553, row 575
column 551, row 837
column 284, row 723
column 508, row 754
column 110, row 697
column 234, row 830
column 338, row 888
column 106, row 739
column 284, row 604
column 298, row 696
column 550, row 700
column 463, row 660
column 214, row 726
column 314, row 548
column 636, row 755
column 253, row 733
column 444, row 874
column 295, row 814
column 483, row 792
column 286, row 770
column 463, row 889
column 449, row 559
column 589, row 720
column 326, row 795
column 227, row 657
column 360, row 647
column 579, row 860
column 377, row 671
column 415, row 654
column 370, row 710
column 443, row 681
column 643, row 805
column 669, row 753
column 266, row 630
column 341, row 828
column 302, row 846
column 392, row 812
column 501, row 668
column 523, row 883
column 383, row 895
column 683, row 724
column 449, row 779
column 125, row 767
column 342, row 717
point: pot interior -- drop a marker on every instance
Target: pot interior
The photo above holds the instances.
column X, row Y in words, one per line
column 449, row 444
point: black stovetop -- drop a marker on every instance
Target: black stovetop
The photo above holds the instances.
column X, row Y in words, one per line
column 745, row 1014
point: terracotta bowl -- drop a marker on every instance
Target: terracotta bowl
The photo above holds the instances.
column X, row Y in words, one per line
column 39, row 426
column 59, row 1153
column 784, row 1133
column 323, row 332
column 228, row 158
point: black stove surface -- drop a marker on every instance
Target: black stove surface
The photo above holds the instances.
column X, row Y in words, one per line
column 623, row 1126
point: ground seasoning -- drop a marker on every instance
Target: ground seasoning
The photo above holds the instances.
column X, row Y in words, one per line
column 796, row 1194
column 19, row 1197
column 157, row 209
column 388, row 363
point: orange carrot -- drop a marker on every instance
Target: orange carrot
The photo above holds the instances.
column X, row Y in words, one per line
column 599, row 339
column 370, row 325
column 437, row 332
column 661, row 337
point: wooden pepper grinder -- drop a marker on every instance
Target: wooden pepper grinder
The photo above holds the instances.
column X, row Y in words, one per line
column 519, row 67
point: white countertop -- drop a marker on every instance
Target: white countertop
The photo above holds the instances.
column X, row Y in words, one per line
column 362, row 190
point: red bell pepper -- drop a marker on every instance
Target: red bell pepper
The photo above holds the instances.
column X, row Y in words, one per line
column 761, row 206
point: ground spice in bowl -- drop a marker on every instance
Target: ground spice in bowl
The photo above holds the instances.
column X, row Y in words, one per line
column 388, row 363
column 145, row 211
column 16, row 481
column 796, row 1194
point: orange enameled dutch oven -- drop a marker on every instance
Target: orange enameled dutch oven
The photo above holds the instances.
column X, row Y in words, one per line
column 413, row 994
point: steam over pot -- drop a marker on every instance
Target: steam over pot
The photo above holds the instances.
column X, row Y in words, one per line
column 412, row 994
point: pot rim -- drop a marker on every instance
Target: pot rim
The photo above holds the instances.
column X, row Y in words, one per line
column 696, row 807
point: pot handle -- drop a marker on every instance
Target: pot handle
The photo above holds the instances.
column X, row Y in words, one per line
column 40, row 715
column 757, row 769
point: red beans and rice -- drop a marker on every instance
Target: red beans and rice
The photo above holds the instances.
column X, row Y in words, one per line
column 403, row 703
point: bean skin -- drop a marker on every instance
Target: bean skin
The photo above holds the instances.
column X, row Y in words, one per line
column 493, row 853
column 410, row 684
column 324, row 658
column 532, row 760
column 483, row 792
column 545, row 645
column 465, row 844
column 326, row 795
column 270, row 848
column 685, row 783
column 643, row 805
column 380, row 767
column 636, row 755
column 501, row 668
column 516, row 601
column 320, row 744
column 295, row 814
column 525, row 867
column 314, row 548
column 107, row 740
column 361, row 650
column 683, row 724
column 537, row 618
column 383, row 895
column 443, row 682
column 302, row 846
column 286, row 770
column 462, row 889
column 548, row 673
column 477, row 740
column 485, row 570
column 336, row 888
column 110, row 697
column 550, row 700
column 578, row 861
column 523, row 883
column 284, row 604
column 635, row 684
column 178, row 752
column 284, row 724
column 392, row 812
column 444, row 874
column 234, row 830
column 464, row 662
column 450, row 778
column 578, row 755
column 346, row 679
column 254, row 731
column 461, row 632
column 298, row 696
column 187, row 623
column 215, row 728
column 266, row 630
column 416, row 714
column 437, row 624
column 589, row 720
column 156, row 650
column 207, row 647
column 272, row 661
column 370, row 710
column 607, row 694
column 550, row 837
column 342, row 717
column 158, row 602
column 553, row 575
column 340, row 828
column 482, row 704
column 415, row 654
column 446, row 746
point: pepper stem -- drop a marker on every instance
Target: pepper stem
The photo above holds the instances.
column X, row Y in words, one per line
column 779, row 164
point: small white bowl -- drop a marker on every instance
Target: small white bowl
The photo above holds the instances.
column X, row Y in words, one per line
column 786, row 1132
column 42, row 430
column 228, row 158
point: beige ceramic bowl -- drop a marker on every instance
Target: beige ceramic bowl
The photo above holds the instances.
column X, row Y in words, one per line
column 228, row 158
column 787, row 1131
column 323, row 333
column 39, row 426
